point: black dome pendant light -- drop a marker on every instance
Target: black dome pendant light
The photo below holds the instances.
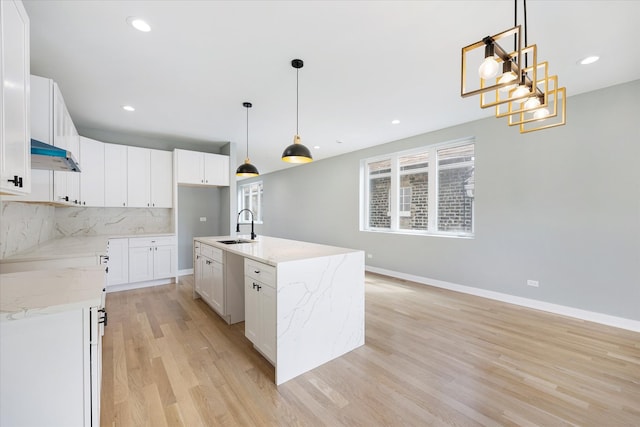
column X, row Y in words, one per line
column 296, row 152
column 247, row 169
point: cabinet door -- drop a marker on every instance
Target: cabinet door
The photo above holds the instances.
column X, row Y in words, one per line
column 268, row 321
column 164, row 262
column 217, row 287
column 140, row 264
column 216, row 169
column 115, row 175
column 138, row 176
column 92, row 176
column 198, row 262
column 42, row 360
column 206, row 285
column 161, row 179
column 61, row 140
column 15, row 128
column 73, row 145
column 118, row 251
column 251, row 315
column 190, row 166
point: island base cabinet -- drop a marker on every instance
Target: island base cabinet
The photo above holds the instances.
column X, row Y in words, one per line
column 260, row 317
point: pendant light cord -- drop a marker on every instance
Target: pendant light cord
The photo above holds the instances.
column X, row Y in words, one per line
column 247, row 132
column 297, row 101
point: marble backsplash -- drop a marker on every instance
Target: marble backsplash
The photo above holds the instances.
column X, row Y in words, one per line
column 24, row 225
column 111, row 221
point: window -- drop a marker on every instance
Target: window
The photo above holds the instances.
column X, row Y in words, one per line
column 429, row 190
column 250, row 197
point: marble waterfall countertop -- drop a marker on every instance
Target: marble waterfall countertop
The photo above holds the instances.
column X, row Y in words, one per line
column 273, row 250
column 42, row 292
column 72, row 247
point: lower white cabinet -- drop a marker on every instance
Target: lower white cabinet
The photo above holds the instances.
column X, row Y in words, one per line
column 141, row 259
column 118, row 265
column 260, row 307
column 53, row 377
column 209, row 275
column 152, row 258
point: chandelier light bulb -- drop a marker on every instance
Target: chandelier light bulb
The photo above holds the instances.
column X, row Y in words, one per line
column 532, row 103
column 489, row 68
column 509, row 76
column 520, row 91
column 540, row 114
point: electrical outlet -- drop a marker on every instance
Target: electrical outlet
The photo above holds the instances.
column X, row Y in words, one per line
column 533, row 283
column 203, row 219
column 369, row 256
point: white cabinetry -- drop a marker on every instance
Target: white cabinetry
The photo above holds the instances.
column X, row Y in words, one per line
column 152, row 258
column 150, row 178
column 92, row 176
column 196, row 168
column 115, row 175
column 260, row 307
column 209, row 272
column 138, row 175
column 118, row 265
column 161, row 179
column 15, row 130
column 52, row 124
column 51, row 369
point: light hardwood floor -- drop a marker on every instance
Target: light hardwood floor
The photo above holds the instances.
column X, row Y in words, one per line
column 432, row 357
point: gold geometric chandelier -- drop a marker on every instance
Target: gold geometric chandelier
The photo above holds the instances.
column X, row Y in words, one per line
column 522, row 92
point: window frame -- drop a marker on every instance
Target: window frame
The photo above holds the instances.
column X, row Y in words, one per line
column 241, row 205
column 433, row 170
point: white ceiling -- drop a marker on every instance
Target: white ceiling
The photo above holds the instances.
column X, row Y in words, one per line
column 366, row 63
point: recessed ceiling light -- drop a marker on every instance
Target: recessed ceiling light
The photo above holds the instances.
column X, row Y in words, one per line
column 316, row 147
column 588, row 60
column 395, row 122
column 138, row 24
column 128, row 108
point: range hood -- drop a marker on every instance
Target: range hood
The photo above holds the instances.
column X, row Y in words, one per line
column 48, row 157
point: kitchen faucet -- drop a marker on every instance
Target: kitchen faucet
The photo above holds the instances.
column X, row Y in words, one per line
column 253, row 235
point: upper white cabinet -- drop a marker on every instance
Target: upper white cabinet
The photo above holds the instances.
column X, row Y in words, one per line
column 92, row 176
column 161, row 179
column 52, row 124
column 115, row 175
column 138, row 177
column 196, row 168
column 150, row 178
column 15, row 136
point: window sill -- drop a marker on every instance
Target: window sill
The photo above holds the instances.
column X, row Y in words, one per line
column 467, row 236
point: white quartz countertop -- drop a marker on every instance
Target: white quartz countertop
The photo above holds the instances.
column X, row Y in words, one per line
column 42, row 292
column 273, row 250
column 72, row 247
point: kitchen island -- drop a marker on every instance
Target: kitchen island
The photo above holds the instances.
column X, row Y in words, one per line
column 302, row 303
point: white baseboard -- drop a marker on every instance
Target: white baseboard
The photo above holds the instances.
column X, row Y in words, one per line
column 185, row 272
column 591, row 316
column 138, row 285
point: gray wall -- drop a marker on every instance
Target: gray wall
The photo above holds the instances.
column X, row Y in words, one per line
column 193, row 203
column 561, row 206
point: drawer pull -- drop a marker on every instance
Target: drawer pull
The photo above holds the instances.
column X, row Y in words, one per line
column 256, row 271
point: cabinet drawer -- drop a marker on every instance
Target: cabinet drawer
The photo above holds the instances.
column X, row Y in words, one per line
column 211, row 252
column 137, row 242
column 259, row 271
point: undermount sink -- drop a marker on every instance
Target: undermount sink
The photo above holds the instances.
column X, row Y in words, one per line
column 235, row 242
